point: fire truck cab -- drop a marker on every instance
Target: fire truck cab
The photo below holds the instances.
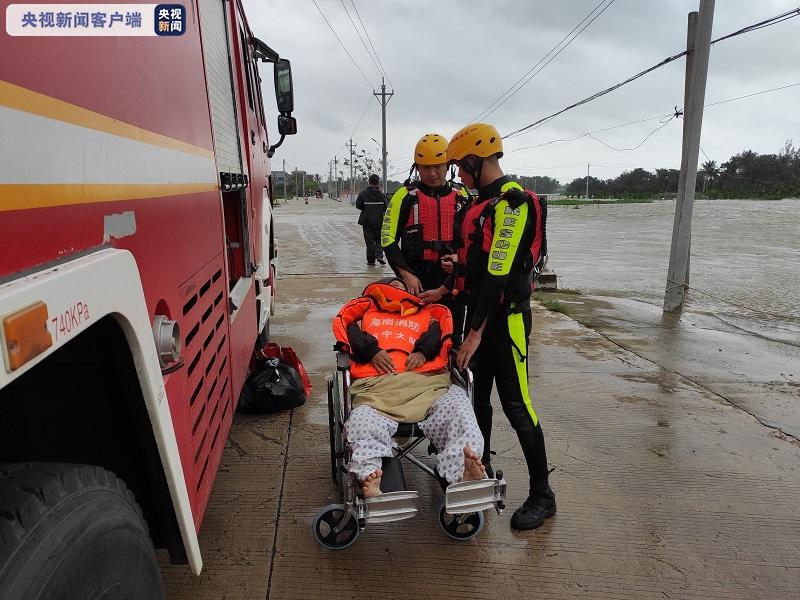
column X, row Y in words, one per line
column 136, row 278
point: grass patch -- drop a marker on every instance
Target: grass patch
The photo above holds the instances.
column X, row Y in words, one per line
column 570, row 291
column 551, row 304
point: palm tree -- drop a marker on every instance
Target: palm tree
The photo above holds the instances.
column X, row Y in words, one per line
column 710, row 171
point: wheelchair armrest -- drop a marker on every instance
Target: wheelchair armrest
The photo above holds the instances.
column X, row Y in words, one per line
column 342, row 361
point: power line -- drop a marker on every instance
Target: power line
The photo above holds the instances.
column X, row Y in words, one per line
column 369, row 39
column 358, row 33
column 363, row 112
column 738, row 305
column 766, row 23
column 588, row 133
column 582, row 135
column 505, row 96
column 664, row 123
column 364, row 130
column 355, row 64
column 754, row 94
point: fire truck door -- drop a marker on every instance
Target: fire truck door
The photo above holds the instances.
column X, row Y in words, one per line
column 219, row 72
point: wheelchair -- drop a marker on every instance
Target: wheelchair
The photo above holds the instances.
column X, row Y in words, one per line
column 337, row 526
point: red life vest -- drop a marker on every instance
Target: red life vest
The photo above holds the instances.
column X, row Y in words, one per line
column 434, row 215
column 477, row 233
column 396, row 319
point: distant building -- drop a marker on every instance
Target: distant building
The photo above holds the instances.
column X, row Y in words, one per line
column 278, row 177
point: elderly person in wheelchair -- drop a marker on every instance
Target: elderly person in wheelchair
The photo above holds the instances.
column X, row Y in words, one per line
column 399, row 349
column 393, row 378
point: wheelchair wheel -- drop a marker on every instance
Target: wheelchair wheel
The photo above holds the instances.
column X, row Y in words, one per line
column 335, row 432
column 461, row 527
column 327, row 519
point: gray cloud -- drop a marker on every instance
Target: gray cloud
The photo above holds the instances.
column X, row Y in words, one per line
column 449, row 59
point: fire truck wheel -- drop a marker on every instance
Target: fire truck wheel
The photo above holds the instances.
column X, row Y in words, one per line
column 72, row 531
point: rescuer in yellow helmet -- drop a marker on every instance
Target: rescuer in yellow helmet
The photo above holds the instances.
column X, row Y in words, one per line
column 418, row 226
column 503, row 242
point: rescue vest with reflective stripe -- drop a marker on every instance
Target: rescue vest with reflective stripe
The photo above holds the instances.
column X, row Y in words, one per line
column 430, row 223
column 477, row 232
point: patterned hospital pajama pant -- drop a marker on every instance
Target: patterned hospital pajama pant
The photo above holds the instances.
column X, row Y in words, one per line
column 450, row 425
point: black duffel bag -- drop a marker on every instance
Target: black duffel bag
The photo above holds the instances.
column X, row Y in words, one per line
column 276, row 386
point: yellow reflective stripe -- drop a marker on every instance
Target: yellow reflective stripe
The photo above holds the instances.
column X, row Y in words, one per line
column 516, row 329
column 23, row 196
column 509, row 223
column 510, row 185
column 391, row 218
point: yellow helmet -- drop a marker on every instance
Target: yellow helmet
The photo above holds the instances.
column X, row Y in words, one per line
column 431, row 149
column 480, row 139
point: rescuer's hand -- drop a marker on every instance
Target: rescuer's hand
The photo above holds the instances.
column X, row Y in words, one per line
column 413, row 284
column 448, row 260
column 415, row 360
column 467, row 349
column 383, row 362
column 431, row 296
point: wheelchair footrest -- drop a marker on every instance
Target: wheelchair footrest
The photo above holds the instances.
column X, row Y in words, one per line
column 391, row 506
column 474, row 496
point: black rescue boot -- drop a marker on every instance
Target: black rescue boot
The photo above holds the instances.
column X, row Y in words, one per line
column 540, row 505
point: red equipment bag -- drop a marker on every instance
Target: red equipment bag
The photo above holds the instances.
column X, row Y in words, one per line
column 286, row 355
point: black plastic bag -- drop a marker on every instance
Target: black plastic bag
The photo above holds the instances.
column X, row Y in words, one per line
column 276, row 386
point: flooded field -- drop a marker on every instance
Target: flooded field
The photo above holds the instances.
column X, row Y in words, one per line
column 745, row 258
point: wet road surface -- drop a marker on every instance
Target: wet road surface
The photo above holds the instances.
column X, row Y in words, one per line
column 665, row 489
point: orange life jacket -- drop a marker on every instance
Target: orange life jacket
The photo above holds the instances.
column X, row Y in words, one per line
column 396, row 319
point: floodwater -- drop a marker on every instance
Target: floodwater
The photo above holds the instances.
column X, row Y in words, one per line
column 745, row 258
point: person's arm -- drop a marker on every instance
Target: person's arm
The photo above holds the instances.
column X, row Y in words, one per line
column 396, row 214
column 360, row 201
column 363, row 346
column 430, row 342
column 511, row 219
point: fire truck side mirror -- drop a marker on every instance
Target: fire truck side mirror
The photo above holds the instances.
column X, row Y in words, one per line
column 284, row 94
column 287, row 125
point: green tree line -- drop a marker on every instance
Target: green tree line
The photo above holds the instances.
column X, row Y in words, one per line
column 744, row 175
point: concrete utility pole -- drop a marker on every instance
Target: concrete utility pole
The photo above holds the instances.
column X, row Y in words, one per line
column 295, row 182
column 285, row 177
column 587, row 180
column 699, row 45
column 384, row 101
column 351, row 145
column 330, row 178
column 336, row 173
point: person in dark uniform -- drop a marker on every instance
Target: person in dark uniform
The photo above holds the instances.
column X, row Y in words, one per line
column 372, row 204
column 503, row 236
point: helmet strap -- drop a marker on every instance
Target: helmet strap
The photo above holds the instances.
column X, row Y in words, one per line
column 408, row 182
column 474, row 170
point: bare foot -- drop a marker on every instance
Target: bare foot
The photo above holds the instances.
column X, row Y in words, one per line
column 473, row 467
column 371, row 486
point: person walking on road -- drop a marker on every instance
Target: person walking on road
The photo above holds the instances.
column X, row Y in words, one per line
column 503, row 235
column 372, row 204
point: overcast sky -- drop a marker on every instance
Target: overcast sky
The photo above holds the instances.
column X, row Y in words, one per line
column 448, row 60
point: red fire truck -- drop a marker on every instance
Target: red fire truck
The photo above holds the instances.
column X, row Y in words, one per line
column 136, row 279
